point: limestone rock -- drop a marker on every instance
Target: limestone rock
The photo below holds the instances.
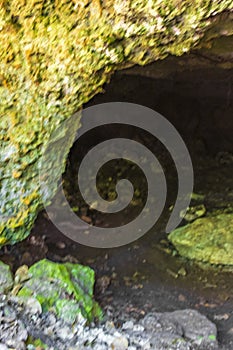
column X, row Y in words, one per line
column 55, row 56
column 208, row 239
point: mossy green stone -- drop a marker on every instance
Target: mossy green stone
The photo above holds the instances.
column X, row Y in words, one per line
column 67, row 289
column 208, row 239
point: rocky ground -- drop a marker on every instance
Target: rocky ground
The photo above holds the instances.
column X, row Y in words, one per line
column 134, row 310
column 140, row 287
column 179, row 330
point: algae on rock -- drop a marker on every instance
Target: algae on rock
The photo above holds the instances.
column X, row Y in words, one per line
column 67, row 289
column 54, row 57
column 208, row 239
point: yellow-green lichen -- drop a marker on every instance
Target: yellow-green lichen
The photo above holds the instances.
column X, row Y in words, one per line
column 55, row 56
column 208, row 239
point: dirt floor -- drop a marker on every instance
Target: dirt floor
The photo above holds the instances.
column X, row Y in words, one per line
column 146, row 275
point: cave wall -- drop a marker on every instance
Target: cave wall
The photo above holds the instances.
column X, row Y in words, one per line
column 56, row 55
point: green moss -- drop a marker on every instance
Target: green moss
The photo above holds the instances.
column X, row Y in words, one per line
column 212, row 337
column 55, row 56
column 67, row 289
column 208, row 239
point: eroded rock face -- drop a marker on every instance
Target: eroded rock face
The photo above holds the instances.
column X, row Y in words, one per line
column 54, row 58
column 208, row 239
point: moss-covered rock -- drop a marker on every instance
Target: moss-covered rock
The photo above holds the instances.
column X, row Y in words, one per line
column 208, row 239
column 54, row 57
column 6, row 280
column 67, row 289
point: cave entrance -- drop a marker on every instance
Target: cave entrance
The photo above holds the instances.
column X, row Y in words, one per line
column 196, row 97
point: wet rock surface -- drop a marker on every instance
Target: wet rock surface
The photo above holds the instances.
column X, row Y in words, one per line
column 178, row 330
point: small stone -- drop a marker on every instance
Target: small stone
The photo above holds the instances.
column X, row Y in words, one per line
column 9, row 314
column 128, row 325
column 230, row 331
column 181, row 297
column 138, row 328
column 182, row 272
column 49, row 331
column 51, row 319
column 221, row 317
column 33, row 306
column 120, row 343
column 109, row 325
column 30, row 347
column 3, row 346
column 65, row 333
column 60, row 245
column 22, row 274
column 86, row 219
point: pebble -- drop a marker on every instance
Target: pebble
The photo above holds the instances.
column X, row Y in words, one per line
column 33, row 306
column 128, row 325
column 65, row 333
column 138, row 328
column 120, row 343
column 60, row 245
column 3, row 346
column 52, row 319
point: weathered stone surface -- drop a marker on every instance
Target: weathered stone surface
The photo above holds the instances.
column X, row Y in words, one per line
column 6, row 280
column 66, row 288
column 208, row 239
column 60, row 294
column 178, row 330
column 183, row 324
column 54, row 57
